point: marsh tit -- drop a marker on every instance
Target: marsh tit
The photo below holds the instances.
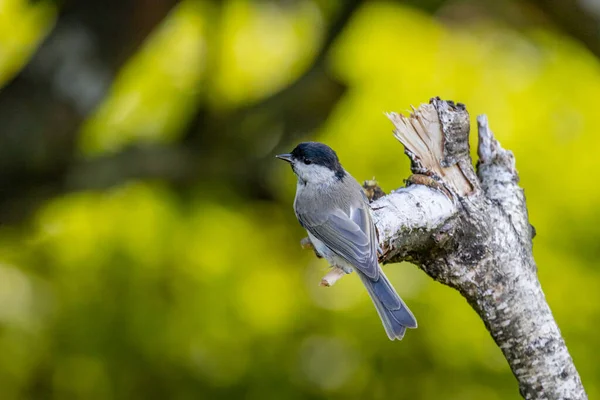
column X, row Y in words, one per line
column 331, row 205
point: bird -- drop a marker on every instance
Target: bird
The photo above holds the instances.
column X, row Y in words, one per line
column 331, row 205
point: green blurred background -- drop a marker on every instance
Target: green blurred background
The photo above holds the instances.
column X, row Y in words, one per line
column 148, row 247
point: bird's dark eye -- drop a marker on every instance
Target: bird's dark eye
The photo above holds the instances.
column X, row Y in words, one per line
column 307, row 161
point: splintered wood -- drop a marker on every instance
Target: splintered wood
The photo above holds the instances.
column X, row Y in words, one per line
column 332, row 276
column 422, row 135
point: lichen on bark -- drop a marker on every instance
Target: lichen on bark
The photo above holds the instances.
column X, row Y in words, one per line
column 470, row 230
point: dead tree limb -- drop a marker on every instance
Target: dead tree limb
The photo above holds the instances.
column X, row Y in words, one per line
column 471, row 231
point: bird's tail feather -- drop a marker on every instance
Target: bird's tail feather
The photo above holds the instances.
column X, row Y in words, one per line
column 394, row 314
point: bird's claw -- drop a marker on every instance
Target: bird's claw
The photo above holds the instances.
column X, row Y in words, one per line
column 306, row 244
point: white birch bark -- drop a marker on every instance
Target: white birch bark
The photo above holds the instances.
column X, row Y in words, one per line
column 471, row 231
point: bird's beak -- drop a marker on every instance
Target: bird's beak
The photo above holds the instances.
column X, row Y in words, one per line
column 285, row 157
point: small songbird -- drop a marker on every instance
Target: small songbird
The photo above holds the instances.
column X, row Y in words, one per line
column 331, row 205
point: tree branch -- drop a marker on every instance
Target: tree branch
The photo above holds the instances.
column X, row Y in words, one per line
column 471, row 232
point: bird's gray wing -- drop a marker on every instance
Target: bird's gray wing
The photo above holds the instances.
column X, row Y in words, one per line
column 350, row 236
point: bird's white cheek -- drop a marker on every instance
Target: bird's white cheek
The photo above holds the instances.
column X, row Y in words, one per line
column 314, row 173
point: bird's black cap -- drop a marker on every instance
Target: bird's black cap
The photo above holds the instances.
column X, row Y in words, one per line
column 319, row 154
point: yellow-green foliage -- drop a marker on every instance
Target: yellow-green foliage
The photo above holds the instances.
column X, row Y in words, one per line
column 21, row 27
column 135, row 293
column 156, row 90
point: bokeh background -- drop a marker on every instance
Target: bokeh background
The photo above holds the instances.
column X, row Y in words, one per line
column 148, row 247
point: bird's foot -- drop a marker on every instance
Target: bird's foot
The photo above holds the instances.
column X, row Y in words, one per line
column 372, row 190
column 306, row 244
column 334, row 274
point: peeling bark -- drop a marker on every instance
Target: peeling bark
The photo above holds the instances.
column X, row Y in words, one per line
column 471, row 231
